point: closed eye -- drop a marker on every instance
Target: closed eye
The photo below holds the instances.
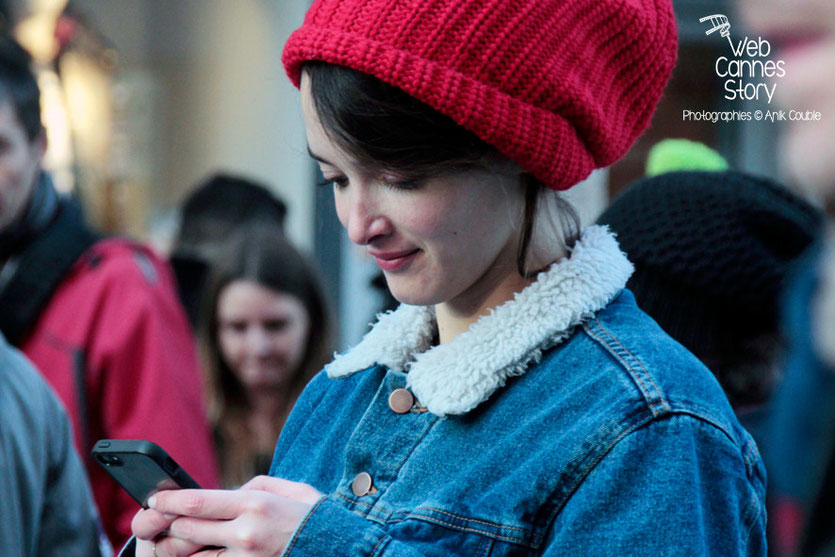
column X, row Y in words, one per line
column 275, row 325
column 338, row 182
column 235, row 326
column 401, row 184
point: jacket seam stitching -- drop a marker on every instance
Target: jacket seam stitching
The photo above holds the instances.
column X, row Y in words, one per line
column 570, row 493
column 750, row 457
column 638, row 360
column 303, row 524
column 758, row 506
column 625, row 433
column 413, row 514
column 387, row 514
column 629, row 431
column 354, row 501
column 462, row 528
column 382, row 539
column 475, row 520
column 712, row 422
column 658, row 403
column 418, row 442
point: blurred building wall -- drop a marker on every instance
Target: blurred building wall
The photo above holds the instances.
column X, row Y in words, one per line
column 200, row 88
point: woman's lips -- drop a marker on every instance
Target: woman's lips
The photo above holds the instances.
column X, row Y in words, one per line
column 395, row 261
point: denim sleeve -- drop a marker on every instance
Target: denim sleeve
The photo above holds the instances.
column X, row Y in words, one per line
column 676, row 486
column 331, row 530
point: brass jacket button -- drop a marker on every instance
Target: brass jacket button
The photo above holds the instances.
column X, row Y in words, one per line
column 362, row 484
column 401, row 401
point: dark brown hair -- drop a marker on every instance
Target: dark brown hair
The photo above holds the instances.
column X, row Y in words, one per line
column 18, row 85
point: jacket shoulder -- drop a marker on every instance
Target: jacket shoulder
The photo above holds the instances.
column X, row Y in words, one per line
column 122, row 273
column 122, row 259
column 654, row 372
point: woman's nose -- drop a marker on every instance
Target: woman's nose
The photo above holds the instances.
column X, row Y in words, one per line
column 258, row 341
column 361, row 216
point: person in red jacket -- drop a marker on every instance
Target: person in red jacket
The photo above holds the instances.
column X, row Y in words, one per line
column 98, row 316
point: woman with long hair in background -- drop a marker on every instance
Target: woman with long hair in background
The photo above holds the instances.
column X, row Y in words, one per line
column 264, row 333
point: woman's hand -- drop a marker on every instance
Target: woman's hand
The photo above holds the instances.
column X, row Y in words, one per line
column 255, row 520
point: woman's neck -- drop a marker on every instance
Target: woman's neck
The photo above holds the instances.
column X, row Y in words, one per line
column 498, row 285
column 266, row 408
column 456, row 316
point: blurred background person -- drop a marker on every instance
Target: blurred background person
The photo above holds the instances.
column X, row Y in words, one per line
column 712, row 253
column 214, row 211
column 802, row 437
column 98, row 317
column 803, row 32
column 803, row 432
column 265, row 331
column 46, row 508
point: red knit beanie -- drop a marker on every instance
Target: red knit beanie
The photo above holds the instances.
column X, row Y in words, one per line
column 560, row 86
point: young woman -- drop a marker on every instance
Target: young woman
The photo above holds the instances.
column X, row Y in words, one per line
column 518, row 402
column 264, row 333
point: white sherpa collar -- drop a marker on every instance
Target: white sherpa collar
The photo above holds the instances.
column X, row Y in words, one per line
column 455, row 377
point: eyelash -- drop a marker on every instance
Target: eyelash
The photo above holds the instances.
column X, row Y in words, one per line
column 341, row 181
column 338, row 182
column 402, row 185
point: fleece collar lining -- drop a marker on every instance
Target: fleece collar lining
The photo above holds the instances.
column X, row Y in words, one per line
column 455, row 377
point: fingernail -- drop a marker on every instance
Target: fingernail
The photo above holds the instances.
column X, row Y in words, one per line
column 169, row 516
column 152, row 501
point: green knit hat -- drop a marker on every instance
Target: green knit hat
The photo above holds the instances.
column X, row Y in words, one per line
column 682, row 154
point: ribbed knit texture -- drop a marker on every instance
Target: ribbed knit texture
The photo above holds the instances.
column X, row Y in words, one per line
column 560, row 86
column 711, row 251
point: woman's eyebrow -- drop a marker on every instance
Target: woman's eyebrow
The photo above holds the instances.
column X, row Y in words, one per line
column 317, row 157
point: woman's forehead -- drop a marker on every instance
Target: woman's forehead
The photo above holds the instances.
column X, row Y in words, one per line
column 320, row 146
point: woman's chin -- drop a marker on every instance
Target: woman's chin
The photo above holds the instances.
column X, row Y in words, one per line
column 413, row 298
column 257, row 383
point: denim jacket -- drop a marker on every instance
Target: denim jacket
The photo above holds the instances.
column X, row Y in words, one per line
column 564, row 422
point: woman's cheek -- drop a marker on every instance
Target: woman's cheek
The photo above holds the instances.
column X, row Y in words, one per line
column 230, row 348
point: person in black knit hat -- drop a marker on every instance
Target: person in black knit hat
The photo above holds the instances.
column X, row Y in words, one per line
column 712, row 252
column 215, row 210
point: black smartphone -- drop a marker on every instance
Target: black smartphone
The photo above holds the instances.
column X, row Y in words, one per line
column 141, row 467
